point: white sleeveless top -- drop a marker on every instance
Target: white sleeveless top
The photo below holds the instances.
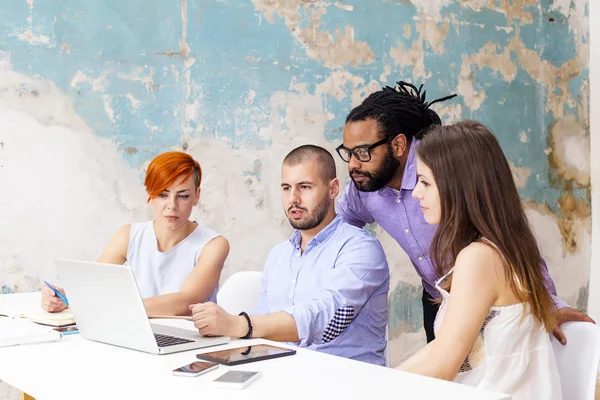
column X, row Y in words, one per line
column 511, row 355
column 157, row 272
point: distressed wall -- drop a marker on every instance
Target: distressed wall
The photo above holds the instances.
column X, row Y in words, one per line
column 90, row 92
column 594, row 299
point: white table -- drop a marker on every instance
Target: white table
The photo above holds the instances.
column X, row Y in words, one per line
column 76, row 368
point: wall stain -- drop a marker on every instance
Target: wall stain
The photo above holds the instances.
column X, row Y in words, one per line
column 184, row 49
column 6, row 290
column 337, row 50
column 131, row 150
column 568, row 218
column 582, row 298
column 514, row 9
column 405, row 313
column 569, row 171
column 170, row 54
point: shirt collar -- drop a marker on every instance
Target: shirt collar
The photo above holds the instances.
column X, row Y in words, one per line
column 321, row 236
column 409, row 177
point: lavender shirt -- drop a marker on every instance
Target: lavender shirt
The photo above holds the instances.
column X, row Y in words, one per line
column 400, row 215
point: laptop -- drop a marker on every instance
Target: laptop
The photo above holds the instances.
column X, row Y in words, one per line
column 108, row 308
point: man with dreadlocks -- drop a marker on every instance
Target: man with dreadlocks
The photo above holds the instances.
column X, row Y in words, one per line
column 380, row 138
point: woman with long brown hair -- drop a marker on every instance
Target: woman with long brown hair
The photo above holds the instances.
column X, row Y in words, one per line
column 495, row 315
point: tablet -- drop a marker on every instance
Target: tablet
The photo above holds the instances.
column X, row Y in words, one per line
column 246, row 354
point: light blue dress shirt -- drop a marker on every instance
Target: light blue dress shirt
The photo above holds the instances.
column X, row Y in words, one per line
column 336, row 291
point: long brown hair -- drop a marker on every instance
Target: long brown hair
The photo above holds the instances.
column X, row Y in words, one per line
column 478, row 199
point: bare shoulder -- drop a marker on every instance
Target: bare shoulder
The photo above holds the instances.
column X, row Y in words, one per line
column 216, row 247
column 124, row 231
column 219, row 242
column 121, row 237
column 117, row 247
column 479, row 260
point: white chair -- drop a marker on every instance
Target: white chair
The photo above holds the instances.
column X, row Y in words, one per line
column 240, row 292
column 578, row 361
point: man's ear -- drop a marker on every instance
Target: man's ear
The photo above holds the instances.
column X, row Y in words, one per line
column 400, row 145
column 334, row 188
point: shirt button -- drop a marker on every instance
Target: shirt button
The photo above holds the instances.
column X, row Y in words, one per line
column 398, row 200
column 420, row 258
column 406, row 230
column 294, row 281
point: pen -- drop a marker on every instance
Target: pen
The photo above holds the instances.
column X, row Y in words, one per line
column 59, row 294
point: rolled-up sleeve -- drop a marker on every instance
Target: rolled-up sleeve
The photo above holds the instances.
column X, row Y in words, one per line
column 350, row 207
column 360, row 271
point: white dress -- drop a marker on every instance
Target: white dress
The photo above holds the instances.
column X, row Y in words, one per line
column 511, row 355
column 157, row 272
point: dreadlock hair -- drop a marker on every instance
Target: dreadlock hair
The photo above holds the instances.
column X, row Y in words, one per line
column 399, row 110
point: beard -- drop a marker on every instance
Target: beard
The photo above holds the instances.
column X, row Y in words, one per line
column 377, row 179
column 311, row 219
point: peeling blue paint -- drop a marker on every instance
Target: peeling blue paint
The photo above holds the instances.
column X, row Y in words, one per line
column 256, row 171
column 117, row 40
column 405, row 312
column 131, row 54
column 372, row 229
column 6, row 290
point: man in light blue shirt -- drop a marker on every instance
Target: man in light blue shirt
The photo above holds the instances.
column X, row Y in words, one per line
column 324, row 289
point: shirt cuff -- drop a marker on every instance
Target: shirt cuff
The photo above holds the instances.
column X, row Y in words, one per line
column 302, row 318
column 559, row 303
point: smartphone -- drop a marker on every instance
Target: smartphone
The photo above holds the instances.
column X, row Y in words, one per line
column 195, row 369
column 236, row 379
column 67, row 330
column 246, row 354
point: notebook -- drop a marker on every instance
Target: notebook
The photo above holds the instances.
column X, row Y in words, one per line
column 34, row 312
column 63, row 318
column 16, row 331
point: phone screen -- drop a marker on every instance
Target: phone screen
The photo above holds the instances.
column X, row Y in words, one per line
column 66, row 330
column 242, row 355
column 195, row 368
column 236, row 376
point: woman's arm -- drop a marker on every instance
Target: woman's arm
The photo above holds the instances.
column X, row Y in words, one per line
column 116, row 249
column 198, row 285
column 416, row 359
column 475, row 288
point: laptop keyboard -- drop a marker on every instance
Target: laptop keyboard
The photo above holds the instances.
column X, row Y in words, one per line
column 166, row 340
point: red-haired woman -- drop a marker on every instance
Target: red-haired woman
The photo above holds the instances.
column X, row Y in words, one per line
column 176, row 261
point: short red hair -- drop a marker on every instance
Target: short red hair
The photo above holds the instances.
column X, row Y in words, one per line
column 165, row 169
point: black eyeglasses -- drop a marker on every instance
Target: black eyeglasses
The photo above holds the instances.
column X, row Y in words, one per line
column 361, row 153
